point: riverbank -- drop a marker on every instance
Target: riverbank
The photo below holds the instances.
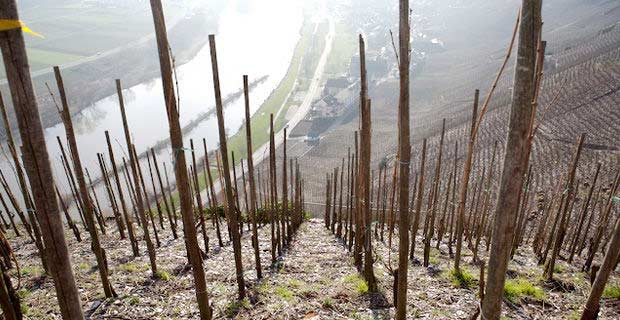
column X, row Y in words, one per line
column 299, row 85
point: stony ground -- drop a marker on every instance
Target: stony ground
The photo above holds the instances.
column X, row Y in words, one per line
column 314, row 279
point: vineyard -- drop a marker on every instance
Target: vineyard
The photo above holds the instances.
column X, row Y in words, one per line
column 487, row 188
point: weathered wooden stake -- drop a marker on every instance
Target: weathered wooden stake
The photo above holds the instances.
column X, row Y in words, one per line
column 176, row 141
column 404, row 152
column 515, row 163
column 83, row 189
column 111, row 198
column 232, row 219
column 129, row 223
column 133, row 161
column 253, row 206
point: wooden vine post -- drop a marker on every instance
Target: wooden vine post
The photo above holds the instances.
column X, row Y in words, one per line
column 136, row 179
column 418, row 203
column 460, row 219
column 364, row 171
column 129, row 223
column 570, row 193
column 252, row 213
column 436, row 188
column 404, row 152
column 515, row 162
column 87, row 205
column 232, row 217
column 609, row 264
column 180, row 170
column 172, row 222
column 37, row 163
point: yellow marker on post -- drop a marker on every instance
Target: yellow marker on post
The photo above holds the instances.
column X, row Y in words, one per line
column 6, row 24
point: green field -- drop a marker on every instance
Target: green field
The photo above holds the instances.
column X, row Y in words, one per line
column 40, row 59
column 74, row 29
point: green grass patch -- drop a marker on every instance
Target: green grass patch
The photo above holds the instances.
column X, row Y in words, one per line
column 612, row 291
column 34, row 271
column 327, row 303
column 40, row 58
column 358, row 283
column 163, row 275
column 133, row 300
column 442, row 314
column 284, row 293
column 83, row 266
column 515, row 289
column 263, row 287
column 462, row 279
column 296, row 284
column 25, row 308
column 233, row 307
column 433, row 256
column 132, row 267
column 23, row 293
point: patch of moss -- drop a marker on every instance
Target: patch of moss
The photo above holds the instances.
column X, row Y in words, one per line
column 132, row 267
column 133, row 300
column 612, row 291
column 296, row 284
column 433, row 256
column 439, row 313
column 34, row 271
column 284, row 293
column 23, row 293
column 360, row 285
column 163, row 275
column 328, row 303
column 514, row 289
column 462, row 278
column 233, row 307
column 83, row 266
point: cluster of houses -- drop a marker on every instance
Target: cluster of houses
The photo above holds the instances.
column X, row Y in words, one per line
column 338, row 98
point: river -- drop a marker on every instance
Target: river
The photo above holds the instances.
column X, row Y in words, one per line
column 254, row 37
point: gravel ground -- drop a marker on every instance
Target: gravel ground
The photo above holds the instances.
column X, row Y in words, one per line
column 314, row 279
